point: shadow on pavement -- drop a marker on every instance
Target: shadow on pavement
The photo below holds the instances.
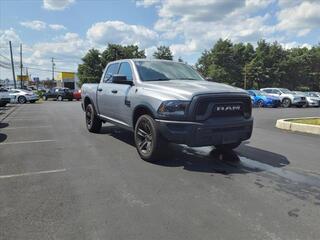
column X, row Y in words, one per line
column 209, row 159
column 3, row 137
column 4, row 125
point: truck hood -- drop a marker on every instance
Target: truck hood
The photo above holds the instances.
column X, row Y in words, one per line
column 186, row 89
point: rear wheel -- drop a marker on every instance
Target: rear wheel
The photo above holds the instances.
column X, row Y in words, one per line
column 229, row 146
column 60, row 98
column 93, row 123
column 150, row 145
column 44, row 98
column 22, row 99
column 286, row 102
column 260, row 103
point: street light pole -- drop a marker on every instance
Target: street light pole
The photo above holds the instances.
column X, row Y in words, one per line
column 12, row 65
column 21, row 66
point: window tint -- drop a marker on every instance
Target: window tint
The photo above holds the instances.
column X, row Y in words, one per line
column 275, row 91
column 111, row 70
column 125, row 70
column 267, row 90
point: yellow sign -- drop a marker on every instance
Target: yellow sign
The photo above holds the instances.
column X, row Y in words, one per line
column 24, row 77
column 66, row 75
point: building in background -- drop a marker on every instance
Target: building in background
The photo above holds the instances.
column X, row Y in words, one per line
column 68, row 80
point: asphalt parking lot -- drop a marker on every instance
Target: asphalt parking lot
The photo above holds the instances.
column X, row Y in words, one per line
column 58, row 181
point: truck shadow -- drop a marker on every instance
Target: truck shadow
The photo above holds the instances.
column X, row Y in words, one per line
column 244, row 159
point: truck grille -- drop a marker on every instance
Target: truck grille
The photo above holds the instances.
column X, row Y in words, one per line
column 221, row 105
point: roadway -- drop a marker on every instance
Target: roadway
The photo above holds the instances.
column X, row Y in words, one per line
column 58, row 181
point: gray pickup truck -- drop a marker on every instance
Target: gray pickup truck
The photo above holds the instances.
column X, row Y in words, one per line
column 165, row 101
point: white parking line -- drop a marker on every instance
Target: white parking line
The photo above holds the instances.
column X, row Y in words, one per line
column 22, row 142
column 10, row 128
column 32, row 173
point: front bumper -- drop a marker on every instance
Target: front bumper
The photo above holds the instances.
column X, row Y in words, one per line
column 32, row 98
column 299, row 102
column 217, row 132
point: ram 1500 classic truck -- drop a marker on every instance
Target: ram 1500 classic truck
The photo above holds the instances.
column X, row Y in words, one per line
column 164, row 101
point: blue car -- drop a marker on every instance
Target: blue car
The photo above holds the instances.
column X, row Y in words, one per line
column 262, row 99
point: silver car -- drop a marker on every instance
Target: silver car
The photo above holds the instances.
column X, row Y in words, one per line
column 23, row 96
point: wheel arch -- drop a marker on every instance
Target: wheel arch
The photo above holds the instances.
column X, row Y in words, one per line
column 141, row 110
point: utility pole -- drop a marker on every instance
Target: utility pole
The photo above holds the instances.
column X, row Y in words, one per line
column 245, row 77
column 53, row 64
column 12, row 65
column 21, row 66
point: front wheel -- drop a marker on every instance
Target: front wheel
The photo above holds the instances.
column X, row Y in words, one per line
column 45, row 98
column 60, row 98
column 22, row 99
column 286, row 102
column 92, row 121
column 149, row 143
column 260, row 103
column 228, row 146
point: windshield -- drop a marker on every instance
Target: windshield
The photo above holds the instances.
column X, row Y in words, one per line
column 164, row 71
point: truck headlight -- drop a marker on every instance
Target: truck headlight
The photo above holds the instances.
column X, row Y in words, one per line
column 174, row 108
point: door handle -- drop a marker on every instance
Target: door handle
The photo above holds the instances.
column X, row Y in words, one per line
column 114, row 91
column 99, row 89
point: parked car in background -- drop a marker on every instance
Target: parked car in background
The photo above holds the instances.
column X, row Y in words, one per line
column 312, row 99
column 262, row 99
column 23, row 96
column 4, row 97
column 77, row 94
column 287, row 97
column 58, row 94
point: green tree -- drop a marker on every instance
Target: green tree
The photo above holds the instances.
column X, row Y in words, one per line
column 163, row 52
column 115, row 52
column 90, row 70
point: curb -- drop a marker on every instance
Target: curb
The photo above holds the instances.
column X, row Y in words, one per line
column 298, row 127
column 8, row 113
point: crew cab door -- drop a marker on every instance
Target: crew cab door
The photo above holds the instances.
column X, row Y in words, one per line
column 105, row 100
column 120, row 94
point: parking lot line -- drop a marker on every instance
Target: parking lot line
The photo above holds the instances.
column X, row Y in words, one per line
column 11, row 128
column 22, row 142
column 32, row 173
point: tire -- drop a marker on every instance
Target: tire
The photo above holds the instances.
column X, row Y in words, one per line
column 260, row 104
column 93, row 123
column 44, row 98
column 60, row 98
column 3, row 104
column 32, row 101
column 286, row 102
column 149, row 143
column 70, row 99
column 22, row 100
column 226, row 147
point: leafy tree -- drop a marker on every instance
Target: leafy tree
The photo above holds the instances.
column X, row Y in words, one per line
column 116, row 52
column 90, row 70
column 163, row 52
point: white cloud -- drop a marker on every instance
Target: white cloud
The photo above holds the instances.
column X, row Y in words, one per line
column 121, row 33
column 57, row 4
column 35, row 25
column 147, row 3
column 57, row 27
column 9, row 35
column 300, row 19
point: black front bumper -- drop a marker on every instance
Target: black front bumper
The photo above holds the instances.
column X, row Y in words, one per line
column 217, row 132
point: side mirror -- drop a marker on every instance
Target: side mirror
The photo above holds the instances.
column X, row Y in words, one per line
column 121, row 79
column 209, row 79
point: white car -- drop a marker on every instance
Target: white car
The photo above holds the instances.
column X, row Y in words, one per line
column 4, row 97
column 313, row 99
column 287, row 97
column 23, row 96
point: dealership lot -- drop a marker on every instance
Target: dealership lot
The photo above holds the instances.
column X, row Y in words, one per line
column 58, row 181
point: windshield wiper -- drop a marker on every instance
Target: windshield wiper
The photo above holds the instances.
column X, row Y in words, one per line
column 160, row 79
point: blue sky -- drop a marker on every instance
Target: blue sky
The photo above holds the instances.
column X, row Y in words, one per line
column 66, row 29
